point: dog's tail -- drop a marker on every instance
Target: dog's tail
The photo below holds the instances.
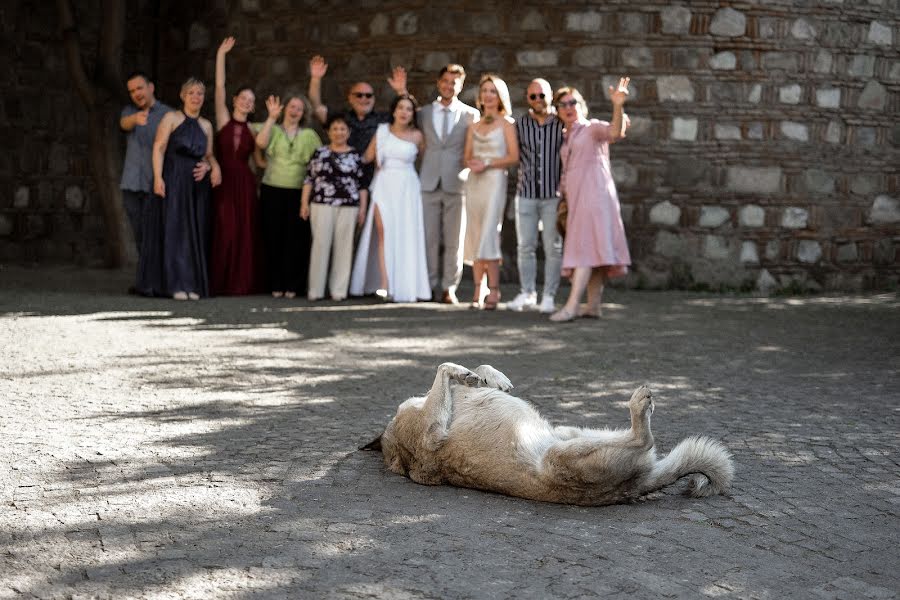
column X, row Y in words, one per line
column 706, row 459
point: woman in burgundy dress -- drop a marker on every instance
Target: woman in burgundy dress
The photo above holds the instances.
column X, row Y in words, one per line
column 235, row 265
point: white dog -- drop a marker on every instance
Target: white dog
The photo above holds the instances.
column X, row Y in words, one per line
column 468, row 431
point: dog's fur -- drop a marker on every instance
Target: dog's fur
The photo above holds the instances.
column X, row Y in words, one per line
column 468, row 431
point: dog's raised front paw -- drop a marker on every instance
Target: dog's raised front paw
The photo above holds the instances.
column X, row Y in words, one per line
column 494, row 378
column 641, row 400
column 461, row 374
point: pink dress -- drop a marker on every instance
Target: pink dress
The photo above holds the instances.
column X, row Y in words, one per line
column 595, row 235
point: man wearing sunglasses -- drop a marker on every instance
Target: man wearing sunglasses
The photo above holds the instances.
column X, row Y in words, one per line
column 540, row 138
column 444, row 123
column 361, row 117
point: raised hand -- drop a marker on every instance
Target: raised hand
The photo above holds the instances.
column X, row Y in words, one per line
column 274, row 106
column 140, row 117
column 397, row 80
column 619, row 94
column 317, row 67
column 226, row 45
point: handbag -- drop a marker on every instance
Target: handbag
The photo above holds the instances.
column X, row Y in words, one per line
column 562, row 213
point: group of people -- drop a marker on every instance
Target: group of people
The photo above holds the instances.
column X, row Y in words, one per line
column 202, row 229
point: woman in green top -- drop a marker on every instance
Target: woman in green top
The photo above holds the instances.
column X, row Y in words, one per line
column 286, row 237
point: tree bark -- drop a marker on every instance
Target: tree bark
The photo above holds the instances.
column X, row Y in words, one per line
column 100, row 94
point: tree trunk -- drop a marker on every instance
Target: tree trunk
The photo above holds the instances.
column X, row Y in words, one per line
column 101, row 94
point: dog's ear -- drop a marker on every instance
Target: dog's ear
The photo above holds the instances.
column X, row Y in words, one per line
column 373, row 445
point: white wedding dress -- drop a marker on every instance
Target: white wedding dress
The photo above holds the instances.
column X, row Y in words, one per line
column 396, row 192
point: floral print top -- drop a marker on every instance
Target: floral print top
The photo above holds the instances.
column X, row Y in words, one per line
column 336, row 177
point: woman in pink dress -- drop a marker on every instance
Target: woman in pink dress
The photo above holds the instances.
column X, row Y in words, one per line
column 595, row 248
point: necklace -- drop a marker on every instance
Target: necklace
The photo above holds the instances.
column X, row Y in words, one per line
column 488, row 119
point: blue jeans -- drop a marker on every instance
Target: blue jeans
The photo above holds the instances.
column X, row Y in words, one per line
column 134, row 210
column 530, row 212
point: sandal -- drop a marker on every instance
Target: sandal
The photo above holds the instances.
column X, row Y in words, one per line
column 589, row 312
column 492, row 304
column 563, row 316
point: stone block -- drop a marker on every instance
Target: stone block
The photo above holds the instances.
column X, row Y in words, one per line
column 624, row 174
column 688, row 58
column 865, row 136
column 723, row 61
column 676, row 88
column 864, row 183
column 728, row 22
column 633, row 23
column 755, row 131
column 671, row 245
column 533, row 20
column 22, row 197
column 665, row 213
column 790, row 94
column 280, row 66
column 751, row 215
column 675, row 19
column 895, row 136
column 755, row 94
column 773, row 249
column 725, row 131
column 406, row 24
column 795, row 131
column 725, row 92
column 884, row 252
column 35, row 227
column 748, row 60
column 834, row 131
column 749, row 252
column 713, row 216
column 686, row 172
column 873, row 96
column 639, row 57
column 861, row 65
column 59, row 159
column 684, row 129
column 640, row 126
column 801, row 29
column 198, row 37
column 818, row 181
column 590, row 56
column 250, row 6
column 487, row 59
column 847, row 253
column 767, row 27
column 809, row 251
column 880, row 34
column 537, row 58
column 828, row 97
column 786, row 61
column 74, row 198
column 794, row 217
column 765, row 283
column 584, row 21
column 716, row 247
column 837, row 34
column 6, row 225
column 885, row 210
column 822, row 62
column 347, row 31
column 760, row 180
column 485, row 24
column 894, row 73
column 379, row 25
column 627, row 212
column 433, row 62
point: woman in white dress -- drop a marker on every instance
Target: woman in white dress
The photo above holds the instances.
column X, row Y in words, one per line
column 390, row 260
column 491, row 148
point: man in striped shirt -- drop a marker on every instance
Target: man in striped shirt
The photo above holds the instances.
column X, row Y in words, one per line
column 540, row 138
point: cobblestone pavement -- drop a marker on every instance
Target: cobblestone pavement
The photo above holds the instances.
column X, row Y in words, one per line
column 156, row 449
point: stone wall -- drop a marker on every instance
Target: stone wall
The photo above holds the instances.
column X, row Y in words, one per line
column 764, row 147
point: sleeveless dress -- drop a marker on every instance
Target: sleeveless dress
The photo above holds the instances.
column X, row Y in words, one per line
column 485, row 200
column 234, row 262
column 187, row 213
column 595, row 235
column 397, row 193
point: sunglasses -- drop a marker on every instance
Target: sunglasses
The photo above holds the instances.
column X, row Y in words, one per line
column 536, row 96
column 363, row 94
column 567, row 103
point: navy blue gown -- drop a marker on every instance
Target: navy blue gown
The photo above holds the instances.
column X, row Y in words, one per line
column 178, row 248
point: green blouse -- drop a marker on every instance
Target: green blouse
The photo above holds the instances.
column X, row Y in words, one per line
column 287, row 159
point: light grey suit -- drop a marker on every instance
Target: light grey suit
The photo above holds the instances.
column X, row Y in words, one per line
column 442, row 201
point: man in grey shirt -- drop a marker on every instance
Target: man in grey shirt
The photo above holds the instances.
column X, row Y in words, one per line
column 139, row 121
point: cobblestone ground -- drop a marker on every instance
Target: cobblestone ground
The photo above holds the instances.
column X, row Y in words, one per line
column 156, row 449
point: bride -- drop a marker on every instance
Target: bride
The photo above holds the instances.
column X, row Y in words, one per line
column 390, row 260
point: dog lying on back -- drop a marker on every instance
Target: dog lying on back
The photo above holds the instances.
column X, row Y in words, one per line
column 469, row 432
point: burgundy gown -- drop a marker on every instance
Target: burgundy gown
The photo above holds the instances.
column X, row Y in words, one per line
column 235, row 258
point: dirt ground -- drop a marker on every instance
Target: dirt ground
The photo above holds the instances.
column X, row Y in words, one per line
column 154, row 449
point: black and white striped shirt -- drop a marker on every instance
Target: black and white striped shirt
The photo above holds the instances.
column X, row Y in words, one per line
column 538, row 156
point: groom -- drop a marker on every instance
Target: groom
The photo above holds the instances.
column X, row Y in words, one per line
column 444, row 123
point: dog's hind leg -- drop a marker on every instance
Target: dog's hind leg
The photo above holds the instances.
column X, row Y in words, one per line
column 494, row 378
column 438, row 408
column 639, row 436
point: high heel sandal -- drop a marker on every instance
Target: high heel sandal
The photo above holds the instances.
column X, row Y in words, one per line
column 476, row 299
column 492, row 304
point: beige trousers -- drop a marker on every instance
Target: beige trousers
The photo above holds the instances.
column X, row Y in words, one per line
column 332, row 242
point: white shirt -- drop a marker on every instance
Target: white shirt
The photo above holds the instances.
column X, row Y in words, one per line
column 437, row 115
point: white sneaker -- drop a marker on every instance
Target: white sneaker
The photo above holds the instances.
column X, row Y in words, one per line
column 523, row 301
column 548, row 304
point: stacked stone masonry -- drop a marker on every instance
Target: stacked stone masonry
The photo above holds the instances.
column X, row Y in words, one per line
column 763, row 151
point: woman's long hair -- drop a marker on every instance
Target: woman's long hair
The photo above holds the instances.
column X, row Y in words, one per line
column 415, row 105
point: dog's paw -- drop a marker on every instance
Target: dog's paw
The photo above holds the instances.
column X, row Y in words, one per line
column 461, row 374
column 641, row 400
column 494, row 378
